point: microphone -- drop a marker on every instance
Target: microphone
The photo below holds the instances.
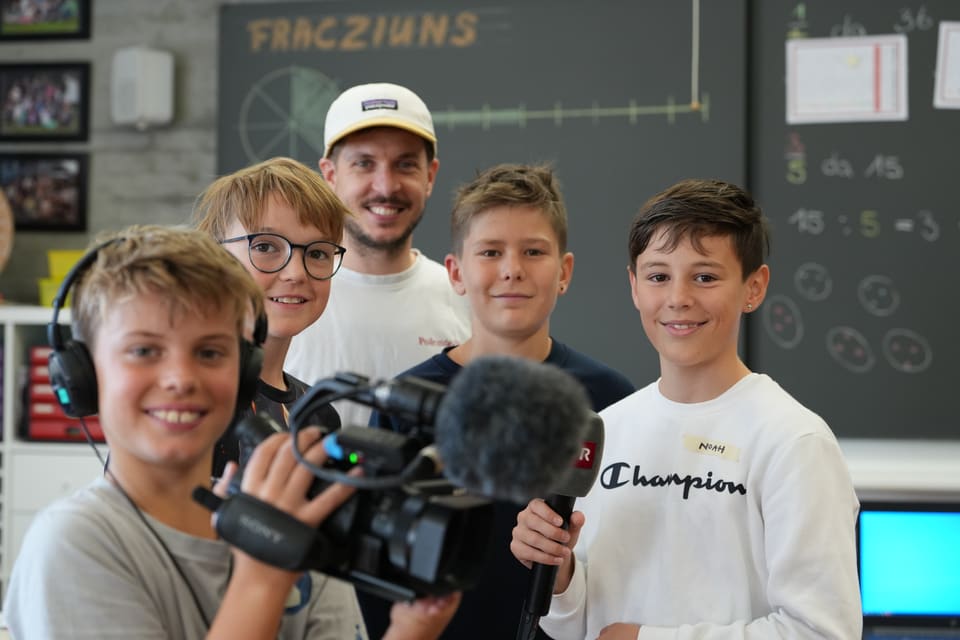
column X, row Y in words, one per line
column 576, row 484
column 508, row 428
column 505, row 428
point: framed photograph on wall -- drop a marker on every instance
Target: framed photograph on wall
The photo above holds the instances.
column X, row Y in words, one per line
column 45, row 191
column 44, row 19
column 44, row 102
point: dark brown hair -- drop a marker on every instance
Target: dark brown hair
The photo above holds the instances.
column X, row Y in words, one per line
column 695, row 209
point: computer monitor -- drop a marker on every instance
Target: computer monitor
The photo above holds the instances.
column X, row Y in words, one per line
column 909, row 562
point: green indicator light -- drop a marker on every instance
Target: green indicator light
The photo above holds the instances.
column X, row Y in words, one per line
column 354, row 458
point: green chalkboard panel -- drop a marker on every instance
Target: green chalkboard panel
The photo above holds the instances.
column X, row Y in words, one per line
column 624, row 98
column 860, row 323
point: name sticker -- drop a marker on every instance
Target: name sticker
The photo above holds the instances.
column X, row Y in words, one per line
column 711, row 448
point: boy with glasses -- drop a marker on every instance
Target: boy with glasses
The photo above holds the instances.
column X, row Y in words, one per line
column 284, row 224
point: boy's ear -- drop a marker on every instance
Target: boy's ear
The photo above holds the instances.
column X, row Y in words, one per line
column 634, row 293
column 452, row 262
column 757, row 283
column 566, row 271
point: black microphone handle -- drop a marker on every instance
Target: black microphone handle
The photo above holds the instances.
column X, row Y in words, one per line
column 528, row 626
column 543, row 577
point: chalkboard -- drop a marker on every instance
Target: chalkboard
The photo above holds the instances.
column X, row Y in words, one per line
column 860, row 322
column 623, row 98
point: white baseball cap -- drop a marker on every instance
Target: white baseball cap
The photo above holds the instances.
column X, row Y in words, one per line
column 379, row 104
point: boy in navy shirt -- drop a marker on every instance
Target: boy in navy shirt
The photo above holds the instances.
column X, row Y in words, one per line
column 510, row 260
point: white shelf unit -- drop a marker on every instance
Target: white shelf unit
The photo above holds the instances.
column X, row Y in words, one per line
column 33, row 474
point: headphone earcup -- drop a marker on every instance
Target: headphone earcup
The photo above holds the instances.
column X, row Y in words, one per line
column 251, row 361
column 74, row 379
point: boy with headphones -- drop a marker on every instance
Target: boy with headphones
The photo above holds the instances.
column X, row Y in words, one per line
column 159, row 319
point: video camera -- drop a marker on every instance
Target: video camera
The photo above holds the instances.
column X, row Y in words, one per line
column 506, row 428
column 405, row 534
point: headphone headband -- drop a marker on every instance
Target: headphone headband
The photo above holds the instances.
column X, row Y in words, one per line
column 54, row 335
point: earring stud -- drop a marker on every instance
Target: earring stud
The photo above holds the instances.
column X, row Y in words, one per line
column 749, row 306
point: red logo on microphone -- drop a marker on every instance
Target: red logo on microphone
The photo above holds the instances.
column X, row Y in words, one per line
column 587, row 452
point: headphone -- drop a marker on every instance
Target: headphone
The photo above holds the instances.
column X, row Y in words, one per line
column 74, row 378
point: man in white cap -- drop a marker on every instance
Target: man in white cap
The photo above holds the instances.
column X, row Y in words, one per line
column 391, row 307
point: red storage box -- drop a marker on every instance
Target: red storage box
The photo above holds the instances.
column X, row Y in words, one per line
column 63, row 429
column 44, row 409
column 40, row 355
column 39, row 373
column 41, row 392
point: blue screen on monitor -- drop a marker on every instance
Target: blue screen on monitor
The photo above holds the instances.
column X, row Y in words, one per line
column 910, row 563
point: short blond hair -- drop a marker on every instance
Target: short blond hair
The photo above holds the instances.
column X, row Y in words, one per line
column 243, row 196
column 184, row 266
column 509, row 185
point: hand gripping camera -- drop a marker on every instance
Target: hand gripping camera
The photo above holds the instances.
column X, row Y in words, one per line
column 405, row 534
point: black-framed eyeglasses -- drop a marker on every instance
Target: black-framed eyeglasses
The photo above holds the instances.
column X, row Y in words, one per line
column 270, row 253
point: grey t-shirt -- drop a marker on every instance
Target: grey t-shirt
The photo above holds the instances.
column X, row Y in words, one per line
column 89, row 568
